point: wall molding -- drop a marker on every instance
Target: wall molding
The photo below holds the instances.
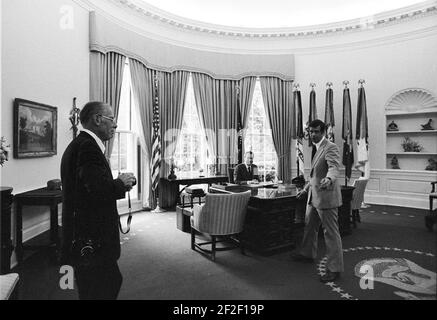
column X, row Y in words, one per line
column 412, row 22
column 376, row 21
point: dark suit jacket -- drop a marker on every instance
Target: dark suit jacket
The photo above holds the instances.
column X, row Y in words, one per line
column 89, row 197
column 242, row 174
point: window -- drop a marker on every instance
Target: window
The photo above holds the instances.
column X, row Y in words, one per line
column 191, row 156
column 124, row 153
column 258, row 138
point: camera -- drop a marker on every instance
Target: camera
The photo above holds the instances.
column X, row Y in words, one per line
column 134, row 182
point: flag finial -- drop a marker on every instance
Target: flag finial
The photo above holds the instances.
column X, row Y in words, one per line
column 329, row 84
column 296, row 86
column 361, row 82
column 312, row 85
column 345, row 82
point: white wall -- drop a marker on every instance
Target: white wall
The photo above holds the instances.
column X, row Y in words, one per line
column 387, row 69
column 42, row 62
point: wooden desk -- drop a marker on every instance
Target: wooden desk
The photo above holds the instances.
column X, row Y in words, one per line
column 269, row 226
column 270, row 221
column 6, row 241
column 169, row 193
column 38, row 197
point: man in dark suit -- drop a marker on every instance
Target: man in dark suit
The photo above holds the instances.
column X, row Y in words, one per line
column 246, row 171
column 89, row 210
column 324, row 198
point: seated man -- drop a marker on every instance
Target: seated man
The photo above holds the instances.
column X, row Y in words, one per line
column 246, row 171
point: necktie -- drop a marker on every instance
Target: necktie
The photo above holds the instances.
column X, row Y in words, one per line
column 313, row 152
column 249, row 169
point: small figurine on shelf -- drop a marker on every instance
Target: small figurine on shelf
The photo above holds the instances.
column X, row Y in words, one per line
column 394, row 163
column 427, row 126
column 432, row 165
column 411, row 146
column 392, row 126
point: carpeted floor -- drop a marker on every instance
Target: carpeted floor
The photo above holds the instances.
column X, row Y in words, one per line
column 158, row 264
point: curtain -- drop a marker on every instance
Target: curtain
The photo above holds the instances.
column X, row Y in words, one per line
column 247, row 87
column 216, row 102
column 143, row 90
column 278, row 102
column 106, row 76
column 172, row 88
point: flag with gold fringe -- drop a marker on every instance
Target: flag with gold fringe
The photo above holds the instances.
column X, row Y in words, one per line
column 300, row 134
column 329, row 114
column 348, row 151
column 362, row 134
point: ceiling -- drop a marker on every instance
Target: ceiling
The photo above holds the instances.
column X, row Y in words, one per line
column 275, row 13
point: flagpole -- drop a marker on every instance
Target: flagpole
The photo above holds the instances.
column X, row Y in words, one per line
column 157, row 143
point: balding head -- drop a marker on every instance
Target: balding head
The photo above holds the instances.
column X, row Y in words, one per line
column 98, row 117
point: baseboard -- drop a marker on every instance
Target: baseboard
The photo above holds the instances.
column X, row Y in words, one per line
column 395, row 201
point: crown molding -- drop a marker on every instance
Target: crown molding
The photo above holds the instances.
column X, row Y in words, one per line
column 416, row 22
column 380, row 20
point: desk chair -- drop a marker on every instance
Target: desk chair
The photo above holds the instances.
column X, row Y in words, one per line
column 357, row 199
column 222, row 216
column 9, row 286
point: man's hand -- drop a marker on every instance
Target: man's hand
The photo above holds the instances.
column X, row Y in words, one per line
column 128, row 180
column 301, row 194
column 325, row 183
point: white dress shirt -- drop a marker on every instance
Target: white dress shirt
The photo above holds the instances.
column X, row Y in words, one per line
column 98, row 141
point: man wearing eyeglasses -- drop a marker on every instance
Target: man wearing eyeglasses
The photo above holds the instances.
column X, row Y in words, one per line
column 324, row 198
column 91, row 241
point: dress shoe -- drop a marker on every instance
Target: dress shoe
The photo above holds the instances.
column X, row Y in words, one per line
column 329, row 276
column 301, row 258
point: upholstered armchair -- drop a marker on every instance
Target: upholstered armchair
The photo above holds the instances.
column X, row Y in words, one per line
column 357, row 199
column 221, row 218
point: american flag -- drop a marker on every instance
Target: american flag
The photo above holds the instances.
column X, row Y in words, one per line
column 156, row 146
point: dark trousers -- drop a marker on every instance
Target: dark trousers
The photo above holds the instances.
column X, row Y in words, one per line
column 101, row 282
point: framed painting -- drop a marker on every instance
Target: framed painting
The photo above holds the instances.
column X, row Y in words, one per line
column 35, row 129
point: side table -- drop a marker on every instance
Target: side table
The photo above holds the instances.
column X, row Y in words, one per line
column 38, row 197
column 6, row 241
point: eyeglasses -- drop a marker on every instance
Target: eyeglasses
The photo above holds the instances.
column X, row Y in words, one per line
column 108, row 118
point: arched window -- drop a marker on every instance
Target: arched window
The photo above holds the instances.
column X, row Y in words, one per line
column 258, row 138
column 124, row 157
column 191, row 156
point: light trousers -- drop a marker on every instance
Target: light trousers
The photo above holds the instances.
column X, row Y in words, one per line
column 328, row 218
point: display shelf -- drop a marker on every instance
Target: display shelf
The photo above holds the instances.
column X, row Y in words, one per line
column 412, row 153
column 410, row 109
column 413, row 113
column 411, row 131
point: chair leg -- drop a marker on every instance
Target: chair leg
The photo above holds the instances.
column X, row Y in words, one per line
column 354, row 218
column 193, row 239
column 213, row 244
column 430, row 204
column 243, row 252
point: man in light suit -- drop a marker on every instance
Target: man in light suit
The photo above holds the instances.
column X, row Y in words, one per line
column 324, row 198
column 246, row 171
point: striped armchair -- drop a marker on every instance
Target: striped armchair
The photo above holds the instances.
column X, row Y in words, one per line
column 222, row 216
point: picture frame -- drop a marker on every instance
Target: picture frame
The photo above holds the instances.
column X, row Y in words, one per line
column 35, row 129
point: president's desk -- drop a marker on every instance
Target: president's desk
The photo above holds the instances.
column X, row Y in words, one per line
column 270, row 224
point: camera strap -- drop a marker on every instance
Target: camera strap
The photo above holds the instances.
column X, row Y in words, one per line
column 129, row 218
